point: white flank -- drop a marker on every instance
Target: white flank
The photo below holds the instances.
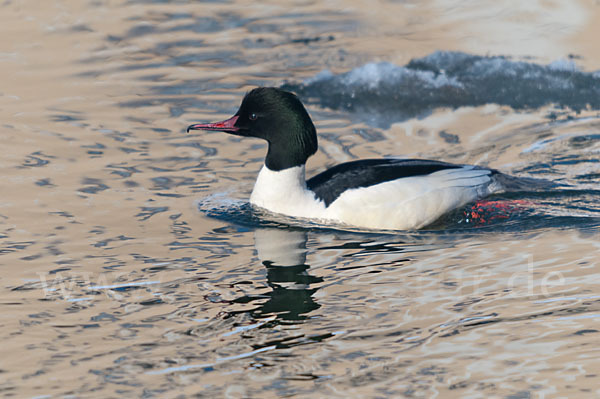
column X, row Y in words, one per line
column 402, row 204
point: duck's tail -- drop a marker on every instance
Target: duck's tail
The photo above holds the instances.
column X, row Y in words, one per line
column 510, row 183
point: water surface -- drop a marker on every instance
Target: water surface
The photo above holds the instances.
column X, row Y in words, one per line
column 133, row 266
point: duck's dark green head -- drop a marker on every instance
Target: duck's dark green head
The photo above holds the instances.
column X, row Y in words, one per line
column 278, row 117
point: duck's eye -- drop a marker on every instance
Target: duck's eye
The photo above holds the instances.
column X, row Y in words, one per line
column 253, row 116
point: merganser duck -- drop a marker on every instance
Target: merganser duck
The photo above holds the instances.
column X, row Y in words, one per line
column 396, row 194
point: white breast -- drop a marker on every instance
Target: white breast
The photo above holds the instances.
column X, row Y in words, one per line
column 285, row 192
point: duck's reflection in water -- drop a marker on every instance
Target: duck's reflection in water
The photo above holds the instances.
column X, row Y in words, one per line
column 283, row 253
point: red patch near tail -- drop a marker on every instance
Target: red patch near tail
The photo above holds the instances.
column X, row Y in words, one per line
column 486, row 211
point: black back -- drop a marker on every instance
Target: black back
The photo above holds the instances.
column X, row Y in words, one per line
column 331, row 183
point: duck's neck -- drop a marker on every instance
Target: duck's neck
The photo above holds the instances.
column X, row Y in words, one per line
column 283, row 191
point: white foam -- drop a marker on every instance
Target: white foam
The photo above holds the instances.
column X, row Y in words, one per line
column 323, row 75
column 374, row 75
column 564, row 65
